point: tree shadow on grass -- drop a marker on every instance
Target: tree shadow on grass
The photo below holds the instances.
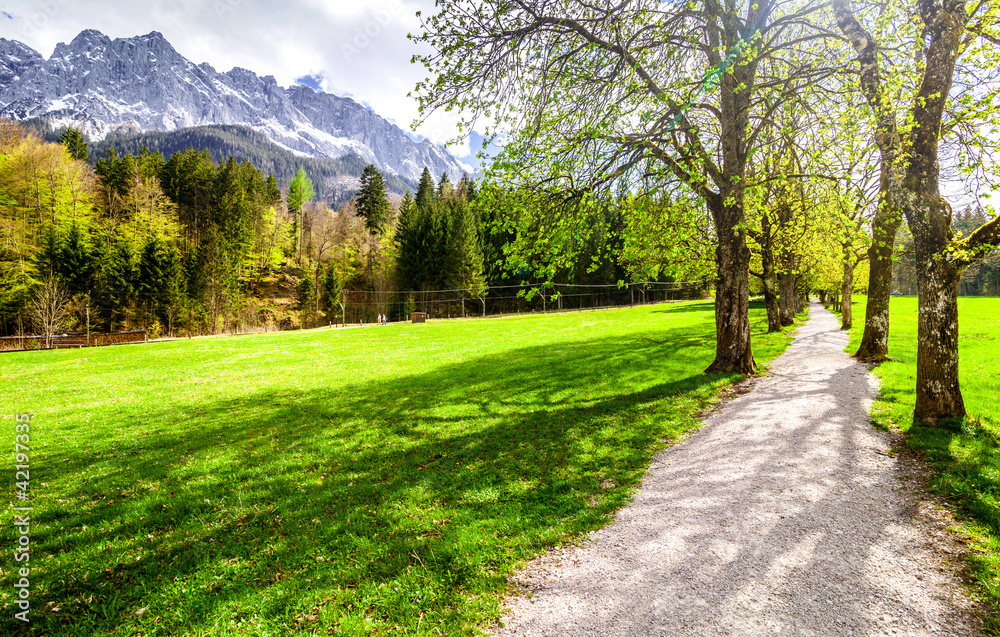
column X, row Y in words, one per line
column 683, row 307
column 395, row 502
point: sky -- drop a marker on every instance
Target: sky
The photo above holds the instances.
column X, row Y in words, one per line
column 351, row 48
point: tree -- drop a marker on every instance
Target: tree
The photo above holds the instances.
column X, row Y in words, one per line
column 467, row 189
column 596, row 95
column 665, row 240
column 115, row 174
column 467, row 256
column 330, row 293
column 154, row 276
column 50, row 253
column 305, row 294
column 300, row 190
column 188, row 179
column 76, row 144
column 120, row 277
column 851, row 204
column 50, row 308
column 949, row 32
column 373, row 202
column 76, row 264
column 445, row 190
column 425, row 190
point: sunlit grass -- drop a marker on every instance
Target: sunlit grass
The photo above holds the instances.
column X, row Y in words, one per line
column 353, row 482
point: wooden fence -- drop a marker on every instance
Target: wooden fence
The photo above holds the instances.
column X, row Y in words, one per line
column 66, row 341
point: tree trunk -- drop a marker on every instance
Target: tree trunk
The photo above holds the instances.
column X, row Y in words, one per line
column 874, row 346
column 929, row 218
column 938, row 392
column 771, row 302
column 786, row 282
column 733, row 352
column 769, row 276
column 846, row 288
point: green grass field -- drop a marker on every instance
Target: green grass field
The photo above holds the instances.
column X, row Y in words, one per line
column 965, row 456
column 354, row 482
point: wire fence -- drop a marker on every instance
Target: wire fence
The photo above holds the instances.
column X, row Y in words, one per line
column 365, row 306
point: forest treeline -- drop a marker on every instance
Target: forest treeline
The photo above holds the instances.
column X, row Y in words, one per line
column 197, row 244
column 192, row 244
column 335, row 178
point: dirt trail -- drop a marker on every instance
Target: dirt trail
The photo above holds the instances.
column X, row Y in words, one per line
column 782, row 516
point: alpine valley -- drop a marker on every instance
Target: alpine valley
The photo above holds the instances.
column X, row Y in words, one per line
column 139, row 91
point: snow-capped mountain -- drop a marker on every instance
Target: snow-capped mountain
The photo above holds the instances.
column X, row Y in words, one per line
column 143, row 84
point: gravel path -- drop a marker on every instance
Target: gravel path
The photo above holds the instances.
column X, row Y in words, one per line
column 782, row 516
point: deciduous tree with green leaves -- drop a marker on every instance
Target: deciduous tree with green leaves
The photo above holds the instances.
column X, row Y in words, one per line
column 300, row 190
column 636, row 92
column 958, row 42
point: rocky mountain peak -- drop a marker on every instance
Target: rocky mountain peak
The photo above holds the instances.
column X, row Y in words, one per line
column 15, row 57
column 142, row 83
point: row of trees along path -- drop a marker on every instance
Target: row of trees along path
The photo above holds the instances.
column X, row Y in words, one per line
column 701, row 98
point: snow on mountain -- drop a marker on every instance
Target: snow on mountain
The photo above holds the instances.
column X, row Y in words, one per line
column 143, row 84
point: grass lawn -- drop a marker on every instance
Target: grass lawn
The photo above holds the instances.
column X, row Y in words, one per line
column 355, row 482
column 965, row 455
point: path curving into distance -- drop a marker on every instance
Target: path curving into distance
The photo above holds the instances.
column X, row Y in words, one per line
column 782, row 516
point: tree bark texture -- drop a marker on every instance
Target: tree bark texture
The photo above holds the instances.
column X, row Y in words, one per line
column 733, row 352
column 938, row 393
column 874, row 346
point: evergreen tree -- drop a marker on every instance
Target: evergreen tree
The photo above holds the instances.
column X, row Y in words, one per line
column 306, row 296
column 188, row 179
column 47, row 261
column 115, row 174
column 466, row 262
column 407, row 209
column 76, row 263
column 120, row 278
column 330, row 294
column 425, row 190
column 373, row 202
column 407, row 242
column 445, row 189
column 153, row 274
column 76, row 144
column 466, row 188
column 440, row 259
column 172, row 294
